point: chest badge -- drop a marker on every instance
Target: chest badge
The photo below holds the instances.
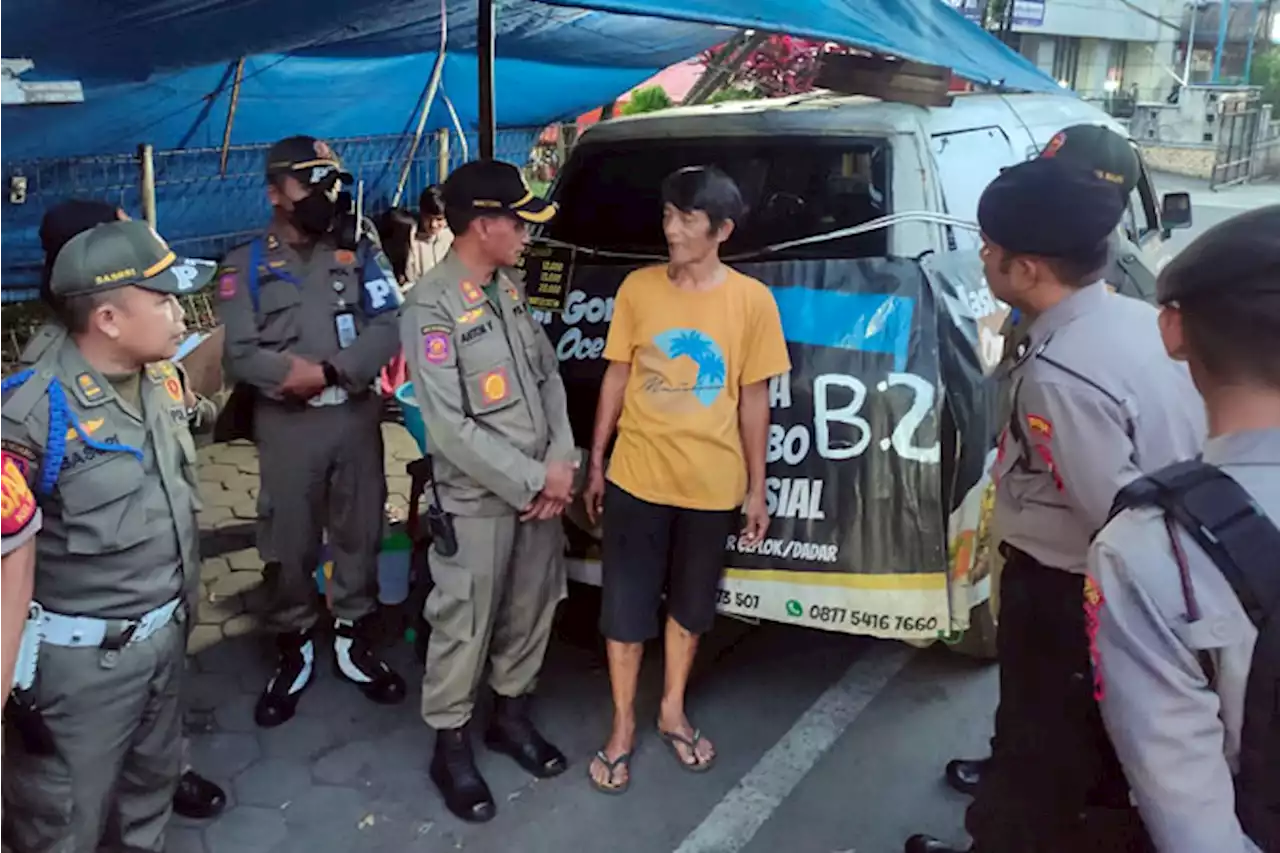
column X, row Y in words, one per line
column 346, row 257
column 174, row 387
column 494, row 387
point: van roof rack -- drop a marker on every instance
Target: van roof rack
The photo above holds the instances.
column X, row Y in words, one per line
column 882, row 77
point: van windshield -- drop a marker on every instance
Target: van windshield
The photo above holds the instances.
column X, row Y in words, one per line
column 794, row 187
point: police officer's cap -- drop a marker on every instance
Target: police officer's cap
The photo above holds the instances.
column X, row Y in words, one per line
column 1049, row 208
column 308, row 159
column 494, row 187
column 1241, row 255
column 119, row 254
column 1107, row 153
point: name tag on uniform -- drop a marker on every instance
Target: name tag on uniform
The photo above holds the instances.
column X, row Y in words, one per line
column 345, row 324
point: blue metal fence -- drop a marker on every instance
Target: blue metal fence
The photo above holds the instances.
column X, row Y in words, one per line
column 200, row 211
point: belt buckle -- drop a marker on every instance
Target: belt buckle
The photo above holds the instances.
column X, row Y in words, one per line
column 115, row 644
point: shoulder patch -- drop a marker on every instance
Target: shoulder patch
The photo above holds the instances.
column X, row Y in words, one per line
column 227, row 285
column 17, row 503
column 471, row 292
column 1040, row 426
column 435, row 344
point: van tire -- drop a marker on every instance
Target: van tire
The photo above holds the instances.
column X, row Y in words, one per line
column 979, row 642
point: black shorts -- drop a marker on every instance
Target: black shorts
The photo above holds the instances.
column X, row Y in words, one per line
column 651, row 549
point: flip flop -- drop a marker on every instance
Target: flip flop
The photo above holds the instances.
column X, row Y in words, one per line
column 623, row 760
column 675, row 740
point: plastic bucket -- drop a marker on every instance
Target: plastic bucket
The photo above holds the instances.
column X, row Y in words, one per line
column 412, row 415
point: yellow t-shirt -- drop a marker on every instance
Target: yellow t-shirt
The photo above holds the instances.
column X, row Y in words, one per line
column 690, row 354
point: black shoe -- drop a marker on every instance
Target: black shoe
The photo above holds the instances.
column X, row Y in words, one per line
column 964, row 774
column 197, row 798
column 512, row 733
column 453, row 769
column 929, row 844
column 357, row 660
column 294, row 670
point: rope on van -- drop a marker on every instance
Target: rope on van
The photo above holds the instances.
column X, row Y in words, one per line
column 839, row 234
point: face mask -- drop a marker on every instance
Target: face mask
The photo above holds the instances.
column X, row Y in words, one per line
column 314, row 214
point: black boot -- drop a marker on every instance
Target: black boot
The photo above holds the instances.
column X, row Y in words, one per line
column 295, row 668
column 929, row 844
column 512, row 733
column 453, row 769
column 197, row 798
column 964, row 774
column 358, row 660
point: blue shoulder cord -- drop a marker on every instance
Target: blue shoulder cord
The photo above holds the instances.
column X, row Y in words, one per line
column 60, row 420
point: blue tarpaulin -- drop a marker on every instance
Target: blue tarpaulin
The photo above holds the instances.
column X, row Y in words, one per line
column 160, row 71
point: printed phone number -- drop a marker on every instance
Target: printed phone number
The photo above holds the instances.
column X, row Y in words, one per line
column 871, row 621
column 742, row 601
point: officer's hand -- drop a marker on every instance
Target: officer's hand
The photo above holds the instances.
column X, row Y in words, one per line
column 757, row 518
column 305, row 378
column 542, row 509
column 593, row 495
column 559, row 482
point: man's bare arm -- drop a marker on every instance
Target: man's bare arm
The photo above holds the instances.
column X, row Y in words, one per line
column 608, row 409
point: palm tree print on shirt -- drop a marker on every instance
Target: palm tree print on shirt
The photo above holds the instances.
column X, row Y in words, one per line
column 704, row 352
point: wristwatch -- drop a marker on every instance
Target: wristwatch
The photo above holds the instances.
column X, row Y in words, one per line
column 331, row 377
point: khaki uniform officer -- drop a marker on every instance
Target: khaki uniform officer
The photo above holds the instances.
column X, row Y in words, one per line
column 489, row 386
column 99, row 426
column 309, row 325
column 1177, row 652
column 1096, row 402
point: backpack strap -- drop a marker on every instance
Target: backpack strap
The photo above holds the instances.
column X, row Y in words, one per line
column 1225, row 521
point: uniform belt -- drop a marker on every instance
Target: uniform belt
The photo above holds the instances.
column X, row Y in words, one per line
column 77, row 632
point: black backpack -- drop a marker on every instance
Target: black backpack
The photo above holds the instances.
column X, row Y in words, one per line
column 1245, row 546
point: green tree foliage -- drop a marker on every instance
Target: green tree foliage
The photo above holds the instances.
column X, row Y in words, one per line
column 646, row 100
column 1266, row 73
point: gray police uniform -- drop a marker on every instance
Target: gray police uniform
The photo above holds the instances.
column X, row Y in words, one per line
column 1170, row 724
column 1096, row 403
column 488, row 383
column 321, row 460
column 116, row 558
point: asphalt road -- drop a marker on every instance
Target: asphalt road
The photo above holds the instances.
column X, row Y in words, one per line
column 827, row 743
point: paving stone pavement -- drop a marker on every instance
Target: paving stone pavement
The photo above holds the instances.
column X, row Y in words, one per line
column 344, row 774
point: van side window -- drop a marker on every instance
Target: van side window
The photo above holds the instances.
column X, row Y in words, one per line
column 794, row 188
column 967, row 161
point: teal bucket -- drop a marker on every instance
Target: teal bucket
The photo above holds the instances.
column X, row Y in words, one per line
column 412, row 415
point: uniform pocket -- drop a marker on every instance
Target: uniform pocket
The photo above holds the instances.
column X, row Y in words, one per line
column 492, row 389
column 278, row 302
column 450, row 607
column 102, row 507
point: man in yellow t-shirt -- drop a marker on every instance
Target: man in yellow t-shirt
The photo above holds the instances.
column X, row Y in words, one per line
column 691, row 349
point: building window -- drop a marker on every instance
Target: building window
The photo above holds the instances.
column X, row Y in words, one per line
column 1066, row 60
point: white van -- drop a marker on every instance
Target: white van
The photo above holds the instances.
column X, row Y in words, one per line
column 857, row 206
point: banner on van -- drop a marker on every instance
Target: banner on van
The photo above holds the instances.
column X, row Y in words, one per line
column 858, row 489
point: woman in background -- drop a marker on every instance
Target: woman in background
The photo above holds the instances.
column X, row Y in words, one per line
column 431, row 235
